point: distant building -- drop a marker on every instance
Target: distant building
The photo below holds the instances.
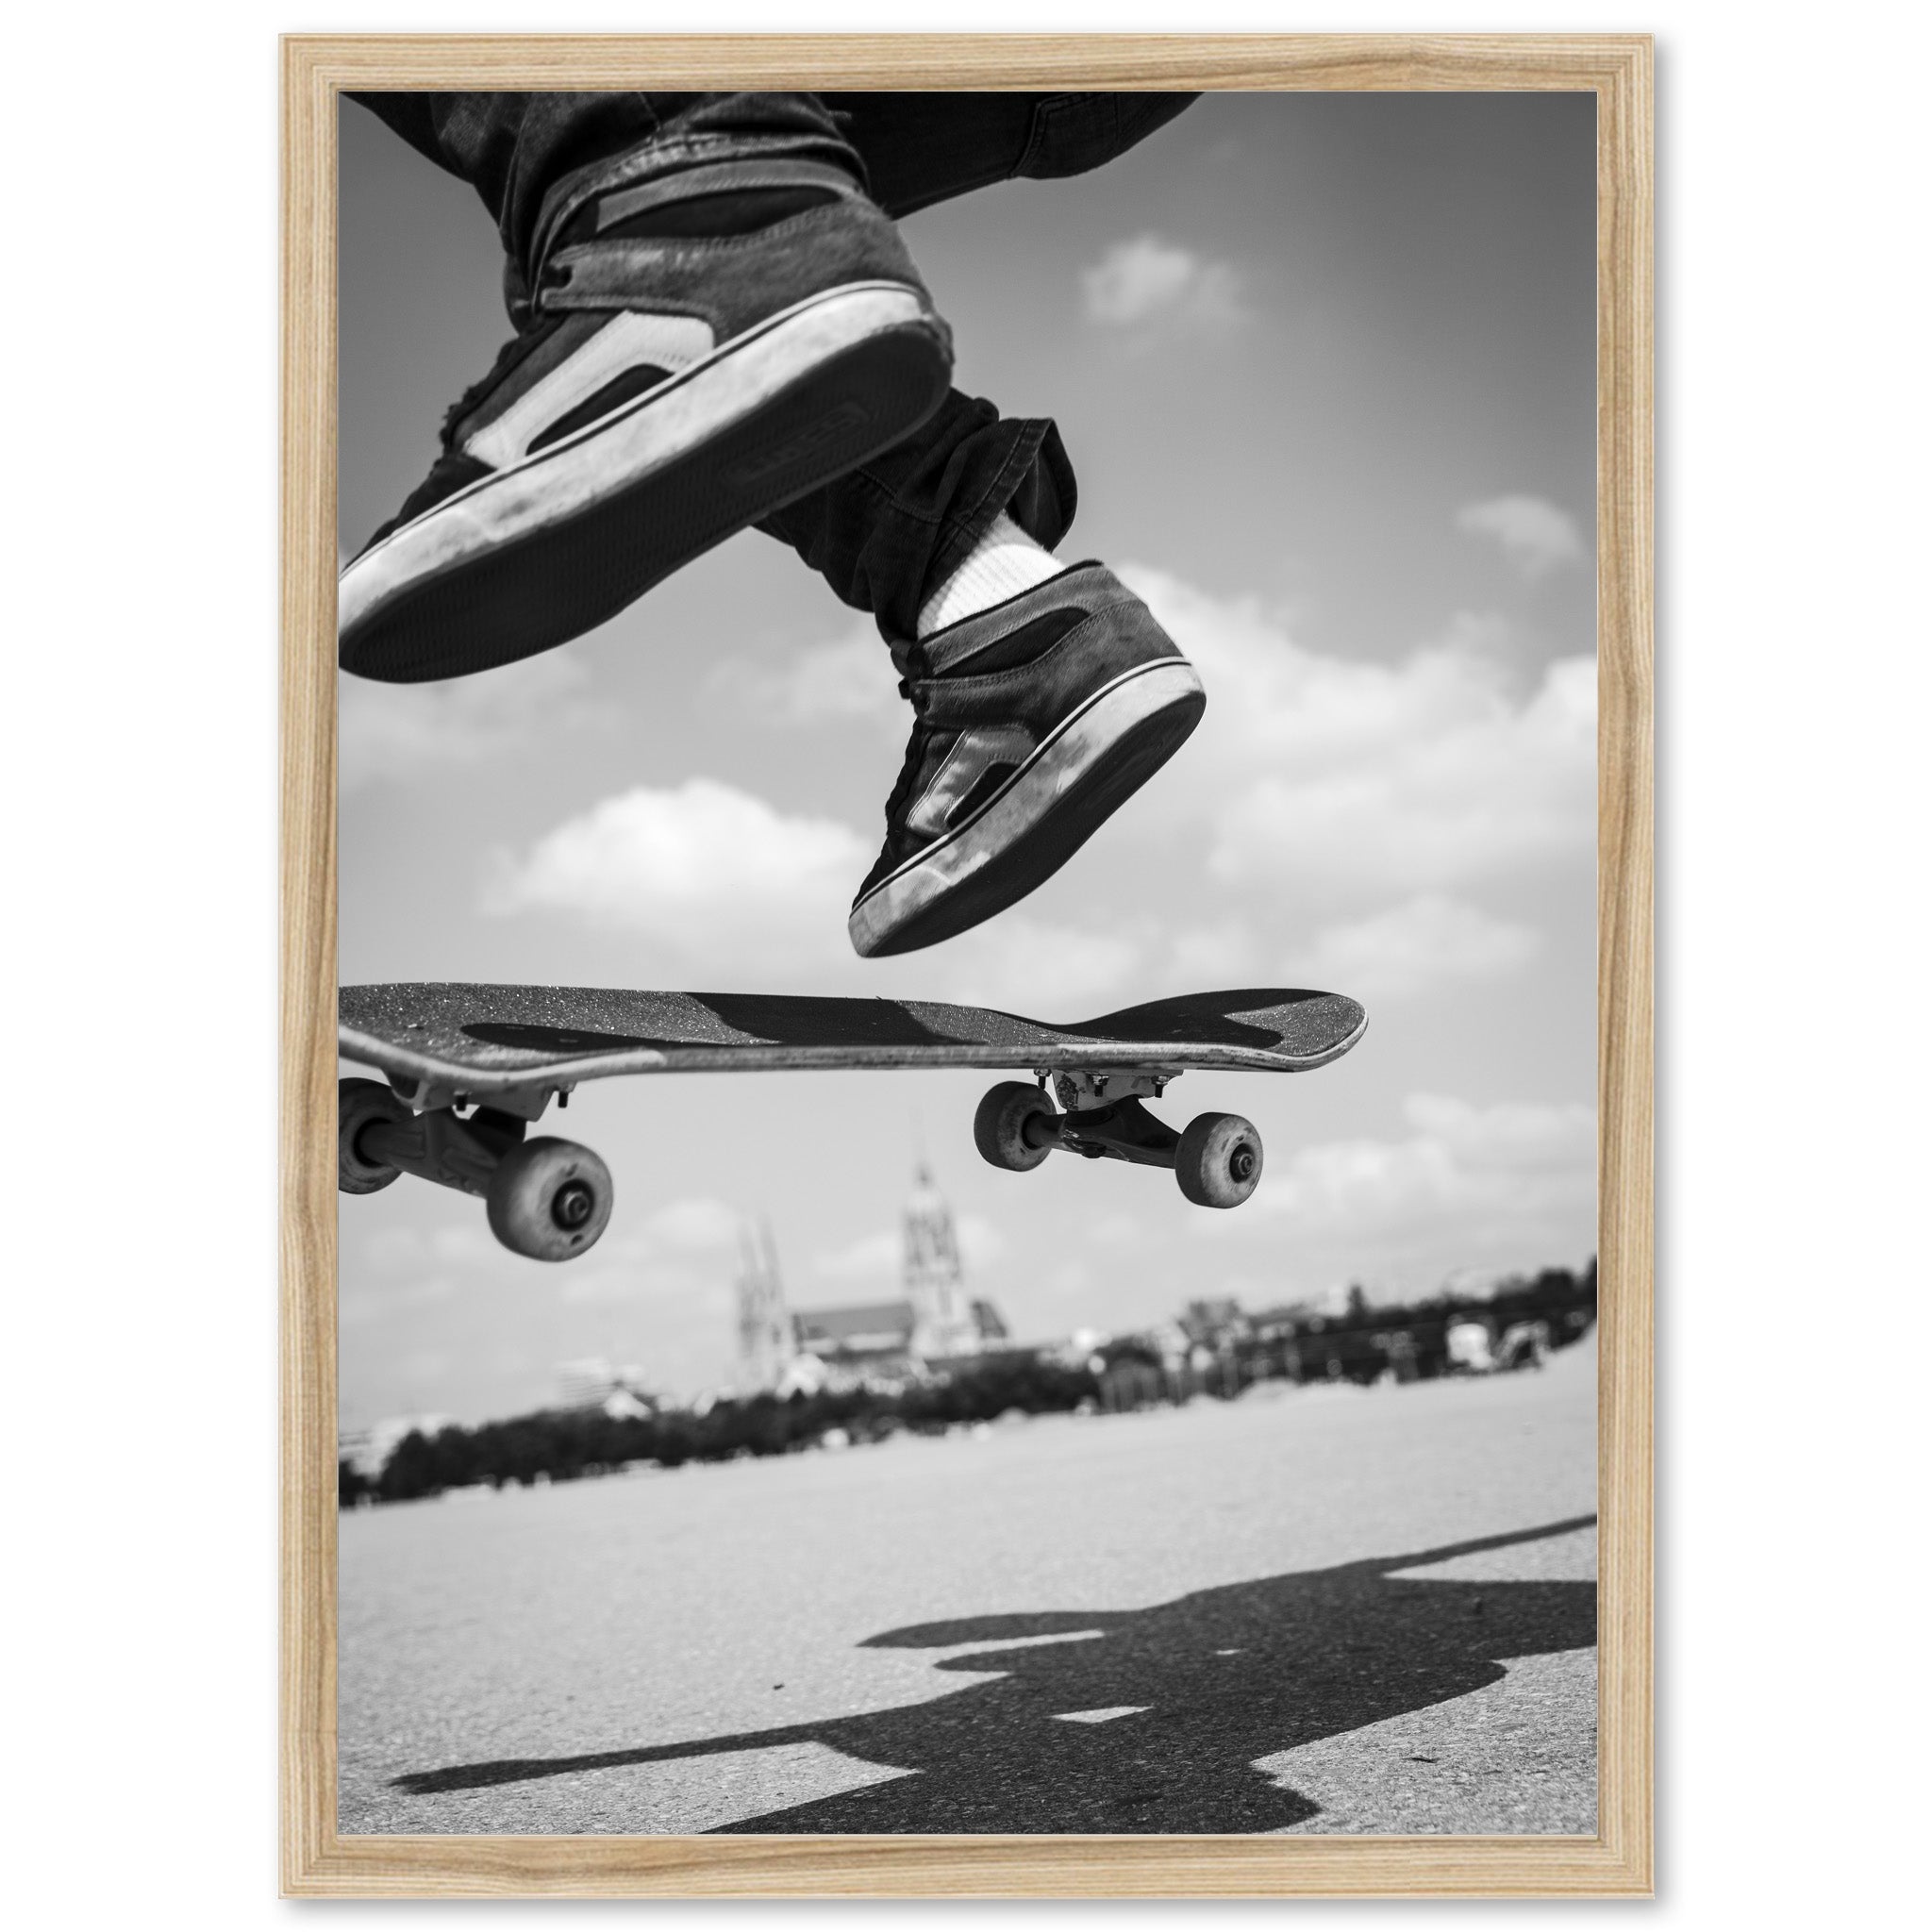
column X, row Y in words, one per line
column 366, row 1449
column 990, row 1324
column 889, row 1343
column 1217, row 1324
column 765, row 1344
column 868, row 1342
column 944, row 1320
column 877, row 1343
column 1470, row 1346
column 594, row 1383
column 1473, row 1284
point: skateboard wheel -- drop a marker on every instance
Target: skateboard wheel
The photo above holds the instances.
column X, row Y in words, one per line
column 1218, row 1162
column 999, row 1128
column 358, row 1103
column 549, row 1199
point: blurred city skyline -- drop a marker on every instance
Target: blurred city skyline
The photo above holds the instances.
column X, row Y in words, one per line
column 1325, row 365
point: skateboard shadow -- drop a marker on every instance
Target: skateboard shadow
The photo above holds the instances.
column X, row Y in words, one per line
column 1214, row 1681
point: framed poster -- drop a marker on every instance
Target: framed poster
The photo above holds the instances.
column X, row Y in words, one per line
column 740, row 1486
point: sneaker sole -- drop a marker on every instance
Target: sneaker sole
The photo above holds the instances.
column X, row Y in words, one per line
column 535, row 555
column 1094, row 762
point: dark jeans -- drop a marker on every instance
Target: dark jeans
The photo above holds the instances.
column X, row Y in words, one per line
column 887, row 534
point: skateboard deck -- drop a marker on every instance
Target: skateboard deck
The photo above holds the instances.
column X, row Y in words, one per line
column 502, row 1053
column 502, row 1040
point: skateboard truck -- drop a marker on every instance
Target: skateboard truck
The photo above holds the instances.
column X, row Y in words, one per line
column 423, row 1095
column 1216, row 1158
column 548, row 1199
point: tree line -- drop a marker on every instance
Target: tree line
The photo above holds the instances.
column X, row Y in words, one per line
column 561, row 1445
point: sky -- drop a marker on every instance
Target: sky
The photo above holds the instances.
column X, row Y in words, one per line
column 1325, row 367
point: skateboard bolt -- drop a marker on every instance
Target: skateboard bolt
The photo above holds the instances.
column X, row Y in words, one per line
column 1241, row 1163
column 572, row 1204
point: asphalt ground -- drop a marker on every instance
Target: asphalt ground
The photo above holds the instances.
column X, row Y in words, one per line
column 1321, row 1611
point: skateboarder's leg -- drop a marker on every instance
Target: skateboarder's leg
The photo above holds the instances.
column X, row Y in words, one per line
column 565, row 489
column 1044, row 695
column 510, row 147
column 923, row 148
column 917, row 148
column 887, row 533
column 713, row 319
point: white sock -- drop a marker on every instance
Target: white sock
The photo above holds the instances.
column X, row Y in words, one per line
column 1003, row 563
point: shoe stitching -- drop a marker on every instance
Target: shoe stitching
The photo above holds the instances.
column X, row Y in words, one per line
column 1060, row 584
column 1045, row 745
column 646, row 249
column 991, row 685
column 979, row 742
column 662, row 159
column 577, row 437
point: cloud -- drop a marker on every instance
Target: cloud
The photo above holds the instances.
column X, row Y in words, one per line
column 1020, row 964
column 873, row 1257
column 724, row 884
column 679, row 1290
column 1338, row 783
column 1535, row 536
column 1512, row 1184
column 846, row 677
column 1332, row 820
column 711, row 873
column 1514, row 1137
column 1115, row 1230
column 360, row 1307
column 411, row 1251
column 1065, row 1292
column 681, row 1251
column 1223, row 952
column 683, row 1256
column 1146, row 282
column 877, row 1261
column 691, row 1227
column 415, row 1269
column 392, row 733
column 1423, row 943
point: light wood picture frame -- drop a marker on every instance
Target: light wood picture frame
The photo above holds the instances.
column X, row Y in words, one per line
column 315, row 1859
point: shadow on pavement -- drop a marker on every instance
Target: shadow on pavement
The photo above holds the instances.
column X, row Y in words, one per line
column 1216, row 1679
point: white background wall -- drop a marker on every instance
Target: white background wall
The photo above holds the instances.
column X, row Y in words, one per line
column 139, row 776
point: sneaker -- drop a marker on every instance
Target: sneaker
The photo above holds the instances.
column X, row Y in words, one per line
column 1037, row 719
column 702, row 349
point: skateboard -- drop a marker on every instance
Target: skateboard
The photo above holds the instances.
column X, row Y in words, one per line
column 469, row 1067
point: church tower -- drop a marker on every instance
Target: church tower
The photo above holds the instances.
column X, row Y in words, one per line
column 942, row 1320
column 764, row 1330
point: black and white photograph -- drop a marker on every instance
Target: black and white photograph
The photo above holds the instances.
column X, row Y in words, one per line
column 1031, row 904
column 967, row 849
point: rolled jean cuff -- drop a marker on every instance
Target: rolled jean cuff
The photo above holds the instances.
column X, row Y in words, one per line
column 1033, row 484
column 886, row 535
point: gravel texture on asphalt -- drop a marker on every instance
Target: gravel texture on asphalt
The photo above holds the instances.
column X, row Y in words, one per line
column 1317, row 1610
